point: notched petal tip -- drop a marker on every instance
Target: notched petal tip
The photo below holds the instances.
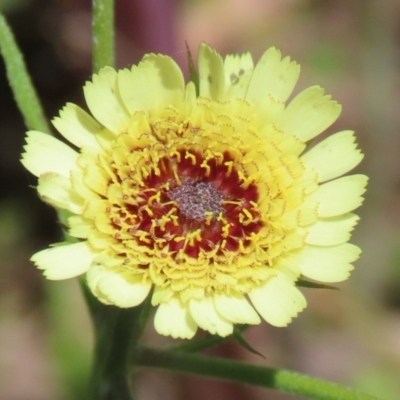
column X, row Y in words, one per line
column 236, row 309
column 326, row 264
column 77, row 126
column 331, row 231
column 278, row 301
column 104, row 101
column 339, row 196
column 120, row 288
column 211, row 73
column 206, row 317
column 309, row 114
column 273, row 76
column 57, row 191
column 173, row 319
column 64, row 261
column 44, row 153
column 334, row 156
column 155, row 83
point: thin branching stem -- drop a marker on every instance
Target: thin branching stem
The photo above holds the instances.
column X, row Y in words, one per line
column 103, row 34
column 20, row 81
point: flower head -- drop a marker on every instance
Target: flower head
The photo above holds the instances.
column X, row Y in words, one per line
column 210, row 199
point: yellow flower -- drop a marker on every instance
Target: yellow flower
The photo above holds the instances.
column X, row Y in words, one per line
column 210, row 199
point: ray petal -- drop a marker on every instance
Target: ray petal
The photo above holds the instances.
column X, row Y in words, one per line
column 273, row 77
column 211, row 73
column 64, row 261
column 77, row 126
column 104, row 101
column 44, row 153
column 331, row 231
column 206, row 317
column 155, row 83
column 309, row 114
column 235, row 308
column 56, row 190
column 326, row 264
column 334, row 156
column 173, row 319
column 339, row 196
column 278, row 301
column 238, row 70
column 123, row 288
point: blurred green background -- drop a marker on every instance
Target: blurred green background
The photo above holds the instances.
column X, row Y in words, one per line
column 350, row 47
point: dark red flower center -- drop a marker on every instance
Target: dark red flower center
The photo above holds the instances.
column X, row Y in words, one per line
column 189, row 204
column 196, row 199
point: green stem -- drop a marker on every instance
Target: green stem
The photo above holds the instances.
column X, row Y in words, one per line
column 103, row 34
column 20, row 81
column 115, row 330
column 105, row 323
column 234, row 371
column 118, row 332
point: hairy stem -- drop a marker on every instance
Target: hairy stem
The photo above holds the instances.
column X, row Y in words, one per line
column 20, row 81
column 234, row 371
column 103, row 34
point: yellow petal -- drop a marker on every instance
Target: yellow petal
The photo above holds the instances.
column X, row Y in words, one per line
column 65, row 261
column 120, row 288
column 93, row 275
column 173, row 319
column 56, row 190
column 155, row 83
column 266, row 112
column 339, row 196
column 190, row 98
column 331, row 231
column 77, row 126
column 161, row 295
column 79, row 227
column 44, row 153
column 278, row 301
column 96, row 179
column 104, row 101
column 309, row 114
column 235, row 308
column 206, row 317
column 334, row 156
column 326, row 264
column 211, row 73
column 273, row 77
column 81, row 188
column 238, row 70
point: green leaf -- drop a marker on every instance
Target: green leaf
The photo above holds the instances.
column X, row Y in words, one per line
column 314, row 285
column 244, row 343
column 194, row 76
column 20, row 81
column 103, row 34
